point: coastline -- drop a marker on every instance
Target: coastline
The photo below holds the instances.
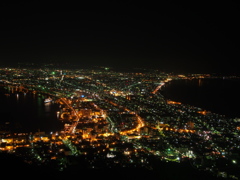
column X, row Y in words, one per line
column 217, row 95
column 27, row 112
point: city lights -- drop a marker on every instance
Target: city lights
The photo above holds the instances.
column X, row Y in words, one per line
column 119, row 116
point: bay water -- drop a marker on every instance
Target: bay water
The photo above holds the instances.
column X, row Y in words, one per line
column 218, row 95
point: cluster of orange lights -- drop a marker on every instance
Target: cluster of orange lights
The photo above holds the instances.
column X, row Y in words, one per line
column 203, row 112
column 172, row 102
column 180, row 130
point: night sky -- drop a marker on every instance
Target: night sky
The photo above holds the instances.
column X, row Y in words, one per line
column 198, row 37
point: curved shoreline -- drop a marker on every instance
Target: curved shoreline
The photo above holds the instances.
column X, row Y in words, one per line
column 198, row 99
column 22, row 106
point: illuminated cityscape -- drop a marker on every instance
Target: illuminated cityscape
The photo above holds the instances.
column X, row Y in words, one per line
column 119, row 89
column 119, row 120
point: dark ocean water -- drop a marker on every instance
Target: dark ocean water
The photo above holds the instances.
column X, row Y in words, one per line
column 27, row 112
column 221, row 96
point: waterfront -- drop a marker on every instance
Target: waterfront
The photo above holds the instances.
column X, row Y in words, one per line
column 217, row 95
column 121, row 126
column 28, row 112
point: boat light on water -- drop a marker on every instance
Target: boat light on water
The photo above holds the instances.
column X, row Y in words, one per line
column 47, row 100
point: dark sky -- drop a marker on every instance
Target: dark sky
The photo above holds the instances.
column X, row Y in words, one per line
column 176, row 36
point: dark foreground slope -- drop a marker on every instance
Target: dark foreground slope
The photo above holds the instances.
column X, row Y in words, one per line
column 15, row 167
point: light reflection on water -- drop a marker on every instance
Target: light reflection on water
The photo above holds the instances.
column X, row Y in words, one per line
column 29, row 110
